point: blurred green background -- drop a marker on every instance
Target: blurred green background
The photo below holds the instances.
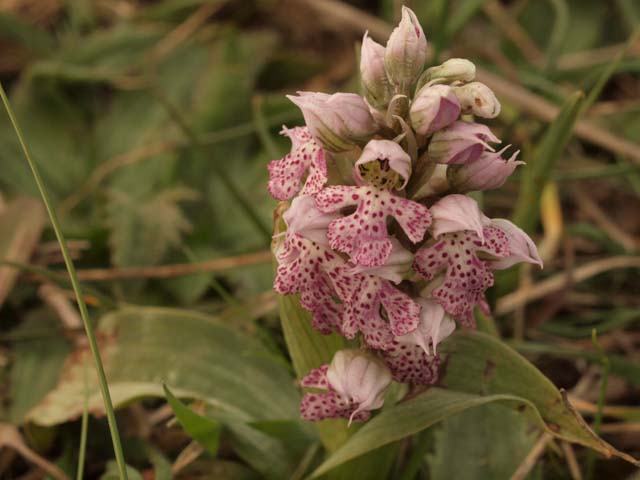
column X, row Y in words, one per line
column 152, row 123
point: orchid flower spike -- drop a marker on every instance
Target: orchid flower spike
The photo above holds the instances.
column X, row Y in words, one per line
column 382, row 246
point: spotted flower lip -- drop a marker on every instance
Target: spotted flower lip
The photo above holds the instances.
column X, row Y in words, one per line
column 395, row 267
column 466, row 276
column 391, row 161
column 306, row 157
column 363, row 235
column 461, row 143
column 362, row 312
column 337, row 121
column 355, row 381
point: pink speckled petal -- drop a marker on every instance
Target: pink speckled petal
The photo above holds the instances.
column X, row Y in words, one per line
column 521, row 247
column 466, row 276
column 414, row 218
column 362, row 314
column 285, row 175
column 316, row 378
column 319, row 406
column 403, row 312
column 326, row 312
column 409, row 364
column 363, row 234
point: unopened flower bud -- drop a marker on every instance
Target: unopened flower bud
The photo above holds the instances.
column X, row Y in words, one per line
column 460, row 143
column 373, row 74
column 434, row 107
column 454, row 69
column 359, row 378
column 337, row 121
column 488, row 172
column 406, row 51
column 478, row 99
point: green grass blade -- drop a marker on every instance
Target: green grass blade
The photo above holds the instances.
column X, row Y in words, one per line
column 205, row 431
column 82, row 306
column 539, row 169
column 84, row 427
column 610, row 69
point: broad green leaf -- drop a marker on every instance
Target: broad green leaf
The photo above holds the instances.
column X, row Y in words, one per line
column 143, row 230
column 489, row 441
column 267, row 454
column 197, row 355
column 479, row 369
column 58, row 137
column 203, row 430
column 539, row 169
column 21, row 224
column 405, row 419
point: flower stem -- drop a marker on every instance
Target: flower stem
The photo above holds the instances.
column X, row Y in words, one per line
column 82, row 306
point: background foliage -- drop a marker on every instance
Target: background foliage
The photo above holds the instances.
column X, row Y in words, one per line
column 152, row 123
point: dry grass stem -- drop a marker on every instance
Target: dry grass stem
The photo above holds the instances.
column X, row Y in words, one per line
column 532, row 457
column 520, row 297
column 174, row 270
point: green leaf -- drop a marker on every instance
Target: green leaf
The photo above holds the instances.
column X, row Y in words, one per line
column 203, row 430
column 489, row 441
column 406, row 419
column 539, row 169
column 267, row 454
column 143, row 230
column 479, row 370
column 199, row 356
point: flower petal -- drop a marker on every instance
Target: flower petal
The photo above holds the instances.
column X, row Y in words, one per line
column 455, row 213
column 409, row 364
column 363, row 234
column 285, row 175
column 521, row 247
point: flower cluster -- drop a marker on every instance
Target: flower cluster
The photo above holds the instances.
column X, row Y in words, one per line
column 381, row 242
